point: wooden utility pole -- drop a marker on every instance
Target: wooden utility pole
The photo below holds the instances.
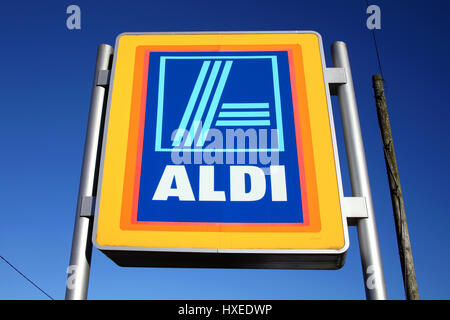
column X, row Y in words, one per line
column 401, row 227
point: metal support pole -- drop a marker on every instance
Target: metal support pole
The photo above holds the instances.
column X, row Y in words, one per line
column 401, row 226
column 80, row 258
column 367, row 232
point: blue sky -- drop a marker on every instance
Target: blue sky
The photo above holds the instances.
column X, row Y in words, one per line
column 45, row 87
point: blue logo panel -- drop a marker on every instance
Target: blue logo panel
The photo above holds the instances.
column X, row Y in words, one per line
column 193, row 98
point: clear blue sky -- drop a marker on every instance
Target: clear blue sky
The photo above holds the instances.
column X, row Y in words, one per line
column 45, row 86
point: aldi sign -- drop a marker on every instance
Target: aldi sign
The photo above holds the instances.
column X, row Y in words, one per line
column 219, row 151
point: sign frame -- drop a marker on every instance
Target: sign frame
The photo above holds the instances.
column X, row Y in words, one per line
column 226, row 258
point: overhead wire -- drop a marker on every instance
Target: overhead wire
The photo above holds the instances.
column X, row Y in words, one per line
column 24, row 276
column 377, row 50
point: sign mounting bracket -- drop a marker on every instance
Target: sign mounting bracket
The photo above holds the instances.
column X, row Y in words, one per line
column 354, row 208
column 87, row 206
column 335, row 77
column 102, row 78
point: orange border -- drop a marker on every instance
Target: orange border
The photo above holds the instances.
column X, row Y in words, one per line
column 308, row 188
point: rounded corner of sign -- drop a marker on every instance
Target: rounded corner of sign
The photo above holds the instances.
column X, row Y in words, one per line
column 346, row 245
column 98, row 244
column 123, row 34
column 317, row 34
column 313, row 33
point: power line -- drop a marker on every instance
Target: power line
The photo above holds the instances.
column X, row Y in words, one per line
column 29, row 280
column 376, row 48
column 378, row 53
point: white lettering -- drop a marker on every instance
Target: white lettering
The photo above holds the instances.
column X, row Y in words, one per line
column 278, row 183
column 206, row 185
column 183, row 188
column 237, row 183
column 247, row 183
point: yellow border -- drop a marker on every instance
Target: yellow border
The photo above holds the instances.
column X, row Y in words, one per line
column 108, row 233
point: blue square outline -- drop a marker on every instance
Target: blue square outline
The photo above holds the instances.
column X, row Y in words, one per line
column 160, row 105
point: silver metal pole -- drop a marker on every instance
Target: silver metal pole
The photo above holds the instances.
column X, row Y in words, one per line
column 367, row 232
column 80, row 258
